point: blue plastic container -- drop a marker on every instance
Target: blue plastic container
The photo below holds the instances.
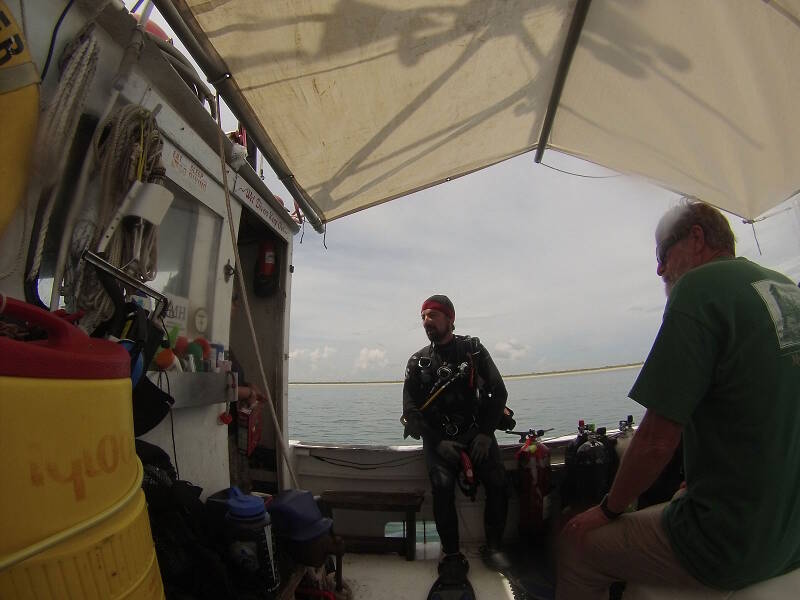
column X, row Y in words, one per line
column 252, row 552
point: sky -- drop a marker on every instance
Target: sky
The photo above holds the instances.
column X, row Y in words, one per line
column 551, row 271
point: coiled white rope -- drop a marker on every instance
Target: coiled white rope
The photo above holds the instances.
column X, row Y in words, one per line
column 57, row 127
column 128, row 149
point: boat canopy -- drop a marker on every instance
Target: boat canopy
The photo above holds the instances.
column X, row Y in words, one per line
column 357, row 102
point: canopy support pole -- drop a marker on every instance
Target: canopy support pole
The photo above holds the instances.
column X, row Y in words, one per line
column 573, row 36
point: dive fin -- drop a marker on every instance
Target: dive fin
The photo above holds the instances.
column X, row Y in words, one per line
column 461, row 590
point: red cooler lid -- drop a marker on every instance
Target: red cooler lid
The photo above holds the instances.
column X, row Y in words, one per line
column 67, row 353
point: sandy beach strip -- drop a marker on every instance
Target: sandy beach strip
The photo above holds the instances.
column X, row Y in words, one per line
column 505, row 377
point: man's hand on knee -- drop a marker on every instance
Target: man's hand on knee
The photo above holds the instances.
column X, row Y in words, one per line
column 479, row 448
column 575, row 531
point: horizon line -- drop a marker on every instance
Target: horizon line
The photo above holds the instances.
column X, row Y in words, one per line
column 531, row 375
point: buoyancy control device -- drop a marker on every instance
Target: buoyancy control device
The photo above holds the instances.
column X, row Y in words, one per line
column 444, row 376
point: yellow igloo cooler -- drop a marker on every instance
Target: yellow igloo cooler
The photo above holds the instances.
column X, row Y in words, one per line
column 72, row 513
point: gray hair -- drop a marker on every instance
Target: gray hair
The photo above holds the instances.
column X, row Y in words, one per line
column 690, row 212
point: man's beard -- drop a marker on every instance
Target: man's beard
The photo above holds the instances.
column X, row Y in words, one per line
column 435, row 335
column 681, row 267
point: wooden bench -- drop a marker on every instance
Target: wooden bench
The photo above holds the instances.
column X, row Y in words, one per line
column 405, row 502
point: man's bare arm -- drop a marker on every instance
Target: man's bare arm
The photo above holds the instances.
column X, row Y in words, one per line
column 650, row 450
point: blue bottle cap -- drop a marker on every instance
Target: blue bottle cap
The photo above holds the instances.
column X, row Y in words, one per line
column 244, row 505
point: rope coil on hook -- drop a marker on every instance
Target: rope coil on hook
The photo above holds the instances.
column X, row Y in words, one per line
column 127, row 149
column 57, row 129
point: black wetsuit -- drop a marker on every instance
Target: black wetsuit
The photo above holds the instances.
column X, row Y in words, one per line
column 472, row 404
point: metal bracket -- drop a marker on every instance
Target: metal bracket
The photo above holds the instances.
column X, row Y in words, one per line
column 162, row 303
column 228, row 271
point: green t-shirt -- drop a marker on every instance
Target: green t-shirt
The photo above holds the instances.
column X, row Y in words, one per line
column 726, row 365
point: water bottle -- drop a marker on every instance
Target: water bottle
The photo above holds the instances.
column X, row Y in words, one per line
column 251, row 544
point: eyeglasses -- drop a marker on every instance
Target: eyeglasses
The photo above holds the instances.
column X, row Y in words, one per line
column 664, row 245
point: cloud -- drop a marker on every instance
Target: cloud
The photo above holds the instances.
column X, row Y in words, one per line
column 510, row 349
column 370, row 358
column 314, row 356
column 321, row 354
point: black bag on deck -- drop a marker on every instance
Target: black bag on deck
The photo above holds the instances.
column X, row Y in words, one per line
column 190, row 566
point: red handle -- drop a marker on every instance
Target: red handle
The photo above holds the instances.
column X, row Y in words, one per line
column 59, row 332
column 67, row 353
column 466, row 464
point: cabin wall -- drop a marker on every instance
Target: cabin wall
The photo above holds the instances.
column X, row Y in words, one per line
column 270, row 319
column 192, row 434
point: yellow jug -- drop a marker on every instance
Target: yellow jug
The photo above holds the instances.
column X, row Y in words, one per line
column 19, row 114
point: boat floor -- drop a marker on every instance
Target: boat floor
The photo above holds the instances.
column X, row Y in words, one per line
column 390, row 577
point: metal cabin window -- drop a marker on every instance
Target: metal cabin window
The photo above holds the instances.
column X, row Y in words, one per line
column 188, row 249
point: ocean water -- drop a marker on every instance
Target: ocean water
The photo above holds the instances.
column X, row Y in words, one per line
column 370, row 413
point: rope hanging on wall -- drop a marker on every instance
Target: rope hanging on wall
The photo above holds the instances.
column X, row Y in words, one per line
column 59, row 122
column 128, row 149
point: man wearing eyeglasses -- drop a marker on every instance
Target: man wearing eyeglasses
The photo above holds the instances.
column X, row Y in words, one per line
column 453, row 397
column 724, row 373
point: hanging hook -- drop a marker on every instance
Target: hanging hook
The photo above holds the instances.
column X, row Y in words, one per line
column 228, row 271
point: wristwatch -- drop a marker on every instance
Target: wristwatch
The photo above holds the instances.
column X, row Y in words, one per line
column 610, row 514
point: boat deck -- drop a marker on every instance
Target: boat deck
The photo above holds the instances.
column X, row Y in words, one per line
column 391, row 577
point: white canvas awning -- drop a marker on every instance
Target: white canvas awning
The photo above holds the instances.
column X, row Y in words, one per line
column 359, row 102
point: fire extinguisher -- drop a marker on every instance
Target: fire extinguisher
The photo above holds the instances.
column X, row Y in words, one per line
column 266, row 269
column 533, row 462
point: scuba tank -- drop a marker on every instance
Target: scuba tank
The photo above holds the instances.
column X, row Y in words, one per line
column 572, row 447
column 569, row 486
column 625, row 436
column 623, row 440
column 591, row 468
column 533, row 463
column 612, row 461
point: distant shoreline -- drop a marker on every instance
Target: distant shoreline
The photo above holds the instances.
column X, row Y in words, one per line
column 506, row 377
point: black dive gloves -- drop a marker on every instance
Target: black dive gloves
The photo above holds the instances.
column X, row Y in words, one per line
column 479, row 448
column 415, row 424
column 450, row 450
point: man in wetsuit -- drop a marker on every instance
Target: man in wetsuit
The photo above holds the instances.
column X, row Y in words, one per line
column 724, row 372
column 463, row 416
